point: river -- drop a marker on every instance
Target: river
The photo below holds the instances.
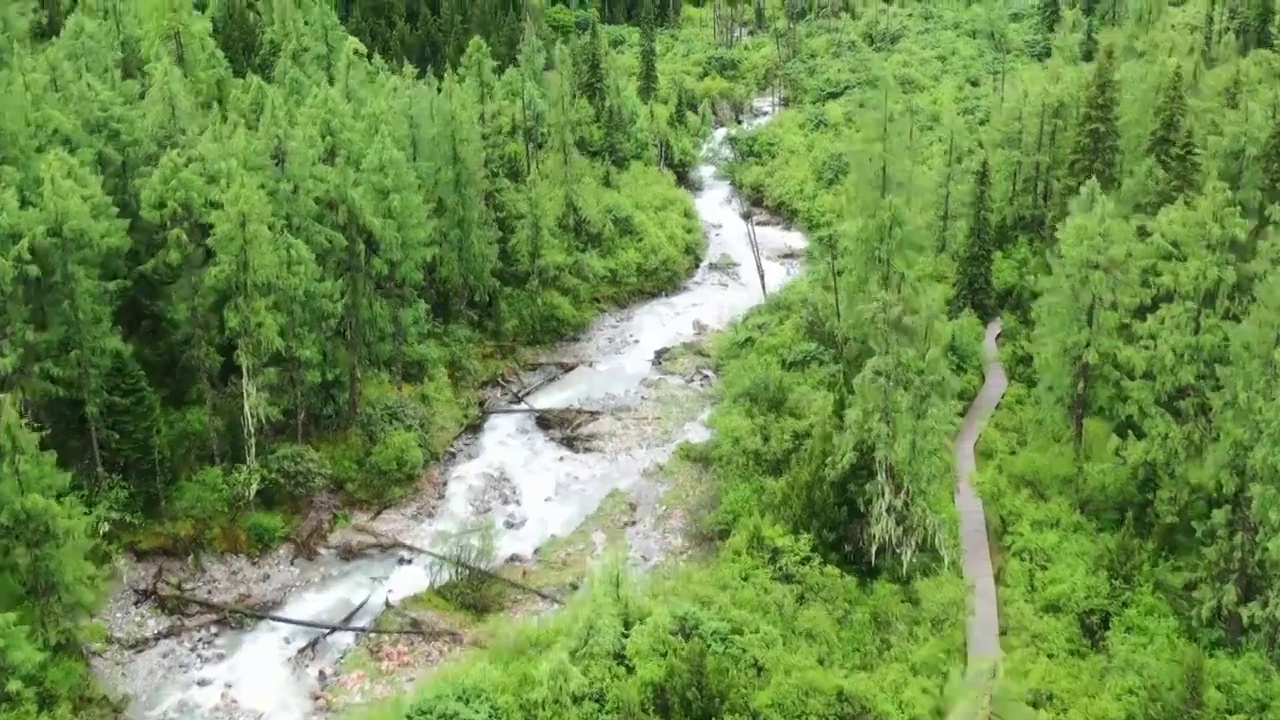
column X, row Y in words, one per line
column 256, row 675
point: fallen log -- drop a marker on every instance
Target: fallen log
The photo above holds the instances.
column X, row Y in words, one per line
column 528, row 410
column 227, row 610
column 561, row 365
column 386, row 542
column 561, row 371
column 177, row 629
column 346, row 619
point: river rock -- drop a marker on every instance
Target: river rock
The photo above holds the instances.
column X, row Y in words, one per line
column 497, row 490
column 515, row 520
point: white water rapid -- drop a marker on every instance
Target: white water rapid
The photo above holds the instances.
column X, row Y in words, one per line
column 557, row 489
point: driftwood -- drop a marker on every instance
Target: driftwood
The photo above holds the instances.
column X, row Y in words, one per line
column 382, row 542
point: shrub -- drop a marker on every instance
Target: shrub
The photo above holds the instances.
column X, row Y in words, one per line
column 265, row 530
column 295, row 471
column 393, row 464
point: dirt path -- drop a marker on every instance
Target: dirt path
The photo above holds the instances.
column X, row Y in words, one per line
column 984, row 623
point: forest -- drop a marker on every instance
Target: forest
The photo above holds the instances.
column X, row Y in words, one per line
column 255, row 252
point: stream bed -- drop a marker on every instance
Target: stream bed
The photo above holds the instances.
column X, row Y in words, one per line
column 512, row 476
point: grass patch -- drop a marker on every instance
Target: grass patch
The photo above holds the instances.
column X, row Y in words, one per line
column 688, row 491
column 685, row 359
column 563, row 562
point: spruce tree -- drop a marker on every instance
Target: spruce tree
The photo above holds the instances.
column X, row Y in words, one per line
column 648, row 83
column 589, row 64
column 1049, row 16
column 1171, row 143
column 974, row 289
column 1095, row 152
column 1089, row 42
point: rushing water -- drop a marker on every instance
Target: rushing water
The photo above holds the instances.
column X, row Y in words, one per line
column 557, row 488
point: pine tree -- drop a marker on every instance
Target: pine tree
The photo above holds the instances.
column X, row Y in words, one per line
column 73, row 240
column 1209, row 36
column 590, row 69
column 1089, row 41
column 1238, row 509
column 647, row 85
column 1049, row 16
column 246, row 274
column 974, row 288
column 50, row 583
column 1171, row 143
column 1095, row 152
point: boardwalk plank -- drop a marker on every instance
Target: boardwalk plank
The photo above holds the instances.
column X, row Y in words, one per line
column 983, row 630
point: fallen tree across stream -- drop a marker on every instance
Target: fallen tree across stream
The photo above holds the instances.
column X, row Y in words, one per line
column 531, row 410
column 177, row 599
column 378, row 541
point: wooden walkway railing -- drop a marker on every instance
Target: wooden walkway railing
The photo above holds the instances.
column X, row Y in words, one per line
column 984, row 622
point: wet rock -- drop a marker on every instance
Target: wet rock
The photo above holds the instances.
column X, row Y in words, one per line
column 763, row 218
column 514, row 521
column 204, row 681
column 700, row 327
column 497, row 490
column 568, row 427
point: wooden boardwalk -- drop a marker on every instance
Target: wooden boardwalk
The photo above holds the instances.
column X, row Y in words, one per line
column 984, row 622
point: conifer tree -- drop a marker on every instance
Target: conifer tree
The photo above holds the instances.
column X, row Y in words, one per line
column 49, row 581
column 647, row 84
column 1096, row 149
column 1209, row 36
column 590, row 69
column 246, row 274
column 1194, row 294
column 1262, row 22
column 1081, row 317
column 1089, row 41
column 1270, row 162
column 974, row 287
column 1233, row 587
column 1050, row 14
column 1171, row 143
column 73, row 240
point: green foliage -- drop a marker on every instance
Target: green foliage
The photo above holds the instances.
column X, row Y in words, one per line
column 296, row 471
column 817, row 644
column 242, row 231
column 48, row 583
column 394, row 462
column 265, row 530
column 1127, row 475
column 974, row 284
